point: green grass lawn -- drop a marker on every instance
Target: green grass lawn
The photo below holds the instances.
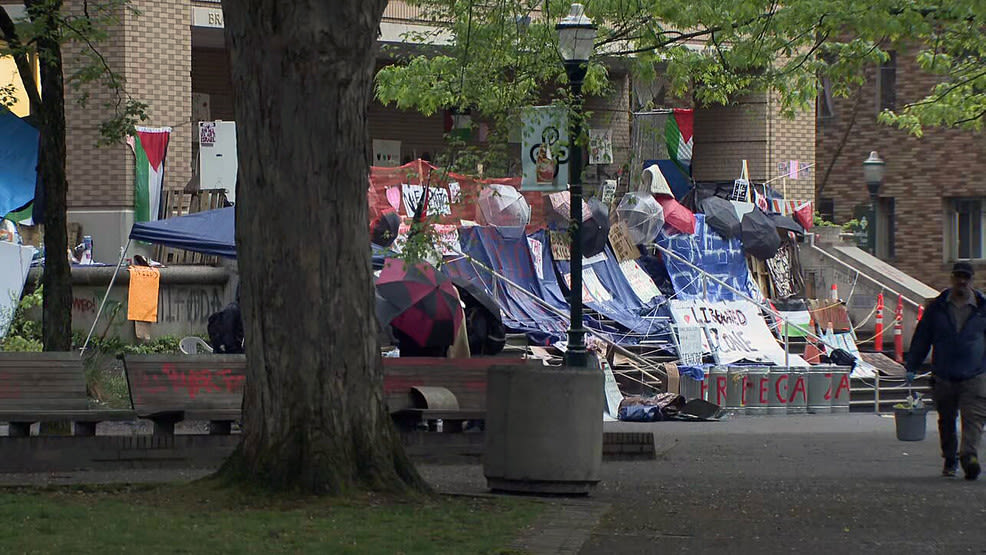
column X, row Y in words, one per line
column 203, row 518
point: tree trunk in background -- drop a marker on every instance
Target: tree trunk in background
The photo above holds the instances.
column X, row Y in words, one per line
column 314, row 416
column 57, row 280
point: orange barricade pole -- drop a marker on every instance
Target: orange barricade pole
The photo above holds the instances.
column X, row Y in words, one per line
column 899, row 330
column 878, row 335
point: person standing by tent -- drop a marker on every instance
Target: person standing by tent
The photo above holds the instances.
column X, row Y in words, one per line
column 955, row 326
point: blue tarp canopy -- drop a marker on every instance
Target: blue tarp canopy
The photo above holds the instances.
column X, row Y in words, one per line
column 209, row 232
column 18, row 161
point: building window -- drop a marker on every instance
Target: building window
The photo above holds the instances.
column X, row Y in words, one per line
column 826, row 209
column 965, row 220
column 887, row 83
column 826, row 103
column 886, row 226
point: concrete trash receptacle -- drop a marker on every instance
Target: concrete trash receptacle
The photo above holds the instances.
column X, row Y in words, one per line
column 718, row 384
column 690, row 388
column 840, row 389
column 736, row 389
column 820, row 389
column 777, row 388
column 911, row 423
column 797, row 401
column 544, row 433
column 757, row 388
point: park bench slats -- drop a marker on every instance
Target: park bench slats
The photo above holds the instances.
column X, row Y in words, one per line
column 48, row 387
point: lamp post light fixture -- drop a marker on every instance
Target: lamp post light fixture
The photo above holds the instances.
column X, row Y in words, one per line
column 576, row 34
column 874, row 169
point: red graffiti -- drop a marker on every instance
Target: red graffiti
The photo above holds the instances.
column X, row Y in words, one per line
column 200, row 380
column 843, row 386
column 781, row 397
column 746, row 383
column 828, row 392
column 799, row 385
column 234, row 382
column 83, row 305
column 704, row 388
column 764, row 385
column 193, row 383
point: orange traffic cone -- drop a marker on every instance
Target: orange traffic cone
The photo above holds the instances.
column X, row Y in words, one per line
column 899, row 331
column 878, row 336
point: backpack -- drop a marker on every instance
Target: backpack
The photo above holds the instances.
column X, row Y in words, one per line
column 226, row 330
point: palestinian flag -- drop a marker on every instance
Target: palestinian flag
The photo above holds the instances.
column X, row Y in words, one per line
column 150, row 147
column 678, row 138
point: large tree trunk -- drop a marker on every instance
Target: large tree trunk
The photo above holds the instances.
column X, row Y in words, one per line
column 57, row 280
column 314, row 417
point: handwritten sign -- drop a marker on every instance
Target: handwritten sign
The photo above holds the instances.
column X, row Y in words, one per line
column 439, row 203
column 690, row 344
column 641, row 283
column 560, row 243
column 446, row 238
column 734, row 330
column 537, row 256
column 623, row 247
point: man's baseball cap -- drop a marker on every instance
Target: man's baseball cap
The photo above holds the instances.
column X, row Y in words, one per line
column 963, row 268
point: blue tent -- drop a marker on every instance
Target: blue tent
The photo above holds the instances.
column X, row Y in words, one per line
column 209, row 232
column 18, row 161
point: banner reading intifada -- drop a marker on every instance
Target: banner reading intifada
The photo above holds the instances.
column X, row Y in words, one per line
column 733, row 330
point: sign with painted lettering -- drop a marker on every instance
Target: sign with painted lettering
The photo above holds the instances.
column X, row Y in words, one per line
column 623, row 247
column 690, row 347
column 641, row 283
column 537, row 255
column 438, row 202
column 446, row 238
column 734, row 330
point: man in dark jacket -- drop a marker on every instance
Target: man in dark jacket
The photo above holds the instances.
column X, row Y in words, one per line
column 955, row 325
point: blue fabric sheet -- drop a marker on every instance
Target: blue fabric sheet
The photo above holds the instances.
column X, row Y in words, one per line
column 706, row 249
column 210, row 232
column 509, row 255
column 18, row 162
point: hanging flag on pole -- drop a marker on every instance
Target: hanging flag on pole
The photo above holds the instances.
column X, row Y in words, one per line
column 150, row 147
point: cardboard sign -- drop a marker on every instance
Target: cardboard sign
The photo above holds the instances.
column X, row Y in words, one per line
column 642, row 284
column 608, row 191
column 447, row 238
column 537, row 255
column 623, row 247
column 690, row 348
column 439, row 203
column 560, row 245
column 733, row 330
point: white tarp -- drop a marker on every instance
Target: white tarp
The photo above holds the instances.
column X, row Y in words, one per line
column 733, row 331
column 16, row 262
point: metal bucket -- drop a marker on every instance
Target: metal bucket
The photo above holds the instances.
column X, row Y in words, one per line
column 777, row 386
column 820, row 389
column 911, row 424
column 718, row 382
column 757, row 390
column 690, row 388
column 797, row 400
column 736, row 389
column 840, row 388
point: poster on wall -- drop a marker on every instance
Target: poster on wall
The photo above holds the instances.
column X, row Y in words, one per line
column 600, row 146
column 544, row 148
column 217, row 156
column 386, row 153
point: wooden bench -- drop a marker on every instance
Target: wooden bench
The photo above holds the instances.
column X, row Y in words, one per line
column 167, row 389
column 425, row 390
column 48, row 387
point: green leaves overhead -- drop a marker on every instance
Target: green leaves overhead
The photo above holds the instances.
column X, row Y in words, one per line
column 501, row 54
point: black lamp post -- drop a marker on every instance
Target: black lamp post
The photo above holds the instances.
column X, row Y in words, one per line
column 873, row 171
column 576, row 34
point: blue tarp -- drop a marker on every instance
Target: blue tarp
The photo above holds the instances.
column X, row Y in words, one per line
column 644, row 321
column 509, row 255
column 706, row 249
column 210, row 232
column 18, row 162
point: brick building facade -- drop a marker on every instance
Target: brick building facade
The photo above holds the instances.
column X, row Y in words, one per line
column 933, row 200
column 173, row 58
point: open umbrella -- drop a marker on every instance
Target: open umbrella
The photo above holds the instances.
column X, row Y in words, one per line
column 595, row 229
column 720, row 216
column 419, row 301
column 470, row 291
column 759, row 235
column 642, row 215
column 786, row 223
column 503, row 205
column 676, row 216
column 385, row 229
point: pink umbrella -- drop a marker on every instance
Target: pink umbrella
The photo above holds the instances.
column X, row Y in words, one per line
column 676, row 216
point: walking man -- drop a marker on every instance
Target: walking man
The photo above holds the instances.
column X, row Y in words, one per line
column 955, row 326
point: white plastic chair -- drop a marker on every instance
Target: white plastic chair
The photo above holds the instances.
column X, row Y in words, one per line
column 193, row 345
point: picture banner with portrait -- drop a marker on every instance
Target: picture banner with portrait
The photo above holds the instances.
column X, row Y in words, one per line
column 544, row 148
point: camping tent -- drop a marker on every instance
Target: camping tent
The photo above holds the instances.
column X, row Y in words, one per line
column 209, row 232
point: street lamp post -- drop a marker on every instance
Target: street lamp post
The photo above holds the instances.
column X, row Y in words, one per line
column 576, row 34
column 873, row 171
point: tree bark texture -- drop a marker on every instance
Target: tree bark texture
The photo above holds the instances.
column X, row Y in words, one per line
column 57, row 280
column 314, row 416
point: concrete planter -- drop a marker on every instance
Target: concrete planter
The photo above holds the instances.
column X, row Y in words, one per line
column 544, row 429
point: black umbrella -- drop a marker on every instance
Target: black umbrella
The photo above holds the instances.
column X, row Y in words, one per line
column 385, row 229
column 471, row 292
column 595, row 229
column 721, row 216
column 759, row 235
column 787, row 223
